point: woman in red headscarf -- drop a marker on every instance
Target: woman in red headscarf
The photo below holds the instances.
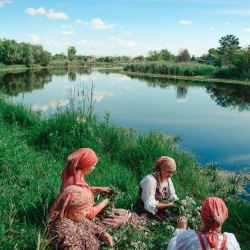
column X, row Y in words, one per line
column 156, row 187
column 80, row 163
column 67, row 226
column 213, row 214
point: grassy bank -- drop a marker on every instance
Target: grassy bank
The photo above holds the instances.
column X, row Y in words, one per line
column 177, row 77
column 33, row 151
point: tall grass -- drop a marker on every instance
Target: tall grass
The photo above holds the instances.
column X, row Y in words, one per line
column 171, row 68
column 33, row 151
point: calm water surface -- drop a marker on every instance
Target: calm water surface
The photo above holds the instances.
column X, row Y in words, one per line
column 212, row 119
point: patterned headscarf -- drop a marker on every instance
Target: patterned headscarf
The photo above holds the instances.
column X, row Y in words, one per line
column 72, row 199
column 213, row 213
column 80, row 159
column 166, row 163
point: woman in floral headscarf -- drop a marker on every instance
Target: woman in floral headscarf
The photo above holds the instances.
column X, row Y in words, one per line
column 80, row 163
column 213, row 214
column 67, row 226
column 156, row 187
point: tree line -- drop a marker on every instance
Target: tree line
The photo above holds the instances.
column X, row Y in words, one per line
column 229, row 54
column 12, row 52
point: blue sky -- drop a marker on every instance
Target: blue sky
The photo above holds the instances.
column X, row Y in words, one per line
column 125, row 27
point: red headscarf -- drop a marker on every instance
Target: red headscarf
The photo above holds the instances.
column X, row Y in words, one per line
column 72, row 199
column 82, row 158
column 213, row 213
column 164, row 162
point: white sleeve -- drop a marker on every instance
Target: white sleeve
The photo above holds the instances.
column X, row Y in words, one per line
column 185, row 240
column 232, row 243
column 148, row 185
column 172, row 243
column 172, row 190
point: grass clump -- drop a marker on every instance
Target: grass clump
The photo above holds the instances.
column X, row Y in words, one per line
column 33, row 151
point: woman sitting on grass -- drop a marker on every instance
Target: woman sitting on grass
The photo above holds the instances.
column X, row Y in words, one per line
column 67, row 226
column 213, row 214
column 156, row 187
column 83, row 162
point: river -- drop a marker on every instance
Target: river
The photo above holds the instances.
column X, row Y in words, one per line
column 212, row 119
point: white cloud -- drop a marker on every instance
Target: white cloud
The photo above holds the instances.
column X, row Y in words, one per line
column 226, row 23
column 58, row 103
column 128, row 33
column 185, row 22
column 96, row 44
column 34, row 38
column 3, row 2
column 99, row 95
column 71, row 32
column 87, row 43
column 212, row 28
column 237, row 158
column 66, row 26
column 97, row 24
column 37, row 107
column 56, row 15
column 83, row 43
column 79, row 21
column 51, row 43
column 247, row 29
column 112, row 38
column 133, row 45
column 34, row 12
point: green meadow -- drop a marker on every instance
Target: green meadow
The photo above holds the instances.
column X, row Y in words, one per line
column 33, row 151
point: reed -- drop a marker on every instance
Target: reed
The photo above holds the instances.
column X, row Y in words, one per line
column 171, row 68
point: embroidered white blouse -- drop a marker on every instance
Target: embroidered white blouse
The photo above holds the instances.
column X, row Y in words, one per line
column 148, row 185
column 188, row 240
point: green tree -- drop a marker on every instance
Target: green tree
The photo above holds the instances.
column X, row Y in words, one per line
column 71, row 53
column 229, row 44
column 241, row 60
column 183, row 56
column 139, row 58
column 166, row 55
column 212, row 51
column 46, row 58
column 154, row 55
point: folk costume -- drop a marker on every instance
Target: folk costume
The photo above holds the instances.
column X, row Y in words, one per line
column 152, row 190
column 64, row 233
column 72, row 175
column 213, row 213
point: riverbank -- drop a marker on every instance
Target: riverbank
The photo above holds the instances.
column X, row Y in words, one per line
column 184, row 78
column 197, row 78
column 33, row 151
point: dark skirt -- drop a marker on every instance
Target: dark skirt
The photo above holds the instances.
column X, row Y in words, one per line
column 161, row 214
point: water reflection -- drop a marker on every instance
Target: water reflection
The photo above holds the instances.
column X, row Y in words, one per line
column 205, row 115
column 24, row 82
column 231, row 96
column 225, row 95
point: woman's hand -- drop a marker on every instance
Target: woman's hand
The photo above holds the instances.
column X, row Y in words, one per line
column 100, row 189
column 104, row 190
column 104, row 203
column 164, row 205
column 108, row 238
column 182, row 222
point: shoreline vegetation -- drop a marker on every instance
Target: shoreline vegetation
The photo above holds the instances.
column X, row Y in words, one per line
column 196, row 78
column 138, row 70
column 33, row 150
